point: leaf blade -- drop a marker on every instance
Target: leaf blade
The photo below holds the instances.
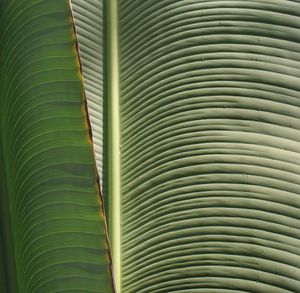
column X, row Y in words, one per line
column 56, row 215
column 210, row 120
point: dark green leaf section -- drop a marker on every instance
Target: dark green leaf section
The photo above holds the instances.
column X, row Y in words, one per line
column 3, row 275
column 210, row 117
column 50, row 184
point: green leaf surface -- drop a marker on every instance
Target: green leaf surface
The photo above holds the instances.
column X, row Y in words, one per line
column 3, row 274
column 88, row 18
column 48, row 180
column 210, row 145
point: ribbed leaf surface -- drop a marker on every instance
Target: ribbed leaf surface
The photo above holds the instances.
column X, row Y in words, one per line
column 210, row 117
column 49, row 180
column 88, row 17
column 3, row 281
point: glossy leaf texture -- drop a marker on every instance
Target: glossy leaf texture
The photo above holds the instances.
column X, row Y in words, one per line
column 48, row 174
column 210, row 123
column 88, row 18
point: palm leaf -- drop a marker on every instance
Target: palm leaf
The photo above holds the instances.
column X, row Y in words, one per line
column 49, row 188
column 209, row 95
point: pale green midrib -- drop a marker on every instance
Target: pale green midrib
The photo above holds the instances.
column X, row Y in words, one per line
column 114, row 173
column 86, row 79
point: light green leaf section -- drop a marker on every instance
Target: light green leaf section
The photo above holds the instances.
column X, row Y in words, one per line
column 48, row 175
column 210, row 117
column 96, row 24
column 88, row 17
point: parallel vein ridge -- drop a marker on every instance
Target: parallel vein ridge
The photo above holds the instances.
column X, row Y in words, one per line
column 50, row 182
column 88, row 16
column 210, row 116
